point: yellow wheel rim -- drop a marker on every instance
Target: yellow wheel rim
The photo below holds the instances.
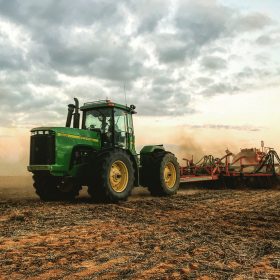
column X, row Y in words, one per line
column 170, row 175
column 118, row 176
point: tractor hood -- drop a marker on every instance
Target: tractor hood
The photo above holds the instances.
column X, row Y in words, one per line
column 53, row 148
column 72, row 136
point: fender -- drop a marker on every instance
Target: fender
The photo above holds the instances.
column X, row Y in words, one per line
column 151, row 148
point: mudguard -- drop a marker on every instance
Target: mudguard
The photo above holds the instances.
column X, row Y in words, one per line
column 151, row 148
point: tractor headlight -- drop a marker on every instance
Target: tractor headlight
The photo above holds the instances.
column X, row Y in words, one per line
column 41, row 132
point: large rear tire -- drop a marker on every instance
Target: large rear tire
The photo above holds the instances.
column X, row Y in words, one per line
column 52, row 188
column 113, row 177
column 160, row 173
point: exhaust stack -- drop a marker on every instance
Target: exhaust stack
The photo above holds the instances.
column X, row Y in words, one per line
column 76, row 122
column 71, row 108
column 76, row 114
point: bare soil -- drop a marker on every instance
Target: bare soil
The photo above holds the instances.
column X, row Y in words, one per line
column 197, row 234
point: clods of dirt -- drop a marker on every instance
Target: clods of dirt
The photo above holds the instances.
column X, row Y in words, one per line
column 203, row 235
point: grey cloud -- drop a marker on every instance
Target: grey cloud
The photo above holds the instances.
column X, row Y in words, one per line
column 162, row 92
column 93, row 56
column 11, row 57
column 34, row 76
column 87, row 93
column 87, row 54
column 202, row 21
column 148, row 13
column 251, row 22
column 172, row 54
column 117, row 69
column 162, row 80
column 251, row 74
column 213, row 62
column 197, row 24
column 173, row 49
column 204, row 81
column 53, row 13
column 246, row 72
column 23, row 99
column 263, row 58
column 219, row 88
column 21, row 106
column 43, row 77
column 264, row 40
column 162, row 100
column 90, row 40
column 175, row 106
column 217, row 49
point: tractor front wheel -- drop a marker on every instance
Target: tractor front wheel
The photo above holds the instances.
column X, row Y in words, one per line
column 52, row 188
column 113, row 177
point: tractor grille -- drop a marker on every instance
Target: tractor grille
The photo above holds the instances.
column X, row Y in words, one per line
column 42, row 148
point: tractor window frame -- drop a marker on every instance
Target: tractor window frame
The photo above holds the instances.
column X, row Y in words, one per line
column 120, row 128
column 96, row 109
column 130, row 123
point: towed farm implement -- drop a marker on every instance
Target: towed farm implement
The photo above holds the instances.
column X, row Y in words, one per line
column 249, row 168
column 98, row 151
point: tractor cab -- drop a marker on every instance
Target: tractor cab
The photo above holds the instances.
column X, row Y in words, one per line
column 113, row 121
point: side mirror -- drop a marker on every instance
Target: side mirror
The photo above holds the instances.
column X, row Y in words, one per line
column 132, row 108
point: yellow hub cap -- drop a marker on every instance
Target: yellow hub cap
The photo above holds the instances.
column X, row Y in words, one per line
column 118, row 176
column 170, row 175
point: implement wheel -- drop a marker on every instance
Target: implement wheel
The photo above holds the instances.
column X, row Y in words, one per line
column 52, row 188
column 113, row 177
column 160, row 173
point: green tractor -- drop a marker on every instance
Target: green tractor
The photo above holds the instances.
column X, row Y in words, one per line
column 100, row 153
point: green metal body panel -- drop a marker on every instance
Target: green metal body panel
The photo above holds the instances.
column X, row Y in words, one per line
column 66, row 140
column 151, row 148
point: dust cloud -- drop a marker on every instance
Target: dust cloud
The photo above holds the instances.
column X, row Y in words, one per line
column 184, row 145
column 14, row 154
column 185, row 142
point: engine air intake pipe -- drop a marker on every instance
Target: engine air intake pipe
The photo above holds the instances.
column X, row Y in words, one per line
column 71, row 108
column 76, row 122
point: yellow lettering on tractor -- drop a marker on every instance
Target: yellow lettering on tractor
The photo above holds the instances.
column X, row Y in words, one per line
column 77, row 137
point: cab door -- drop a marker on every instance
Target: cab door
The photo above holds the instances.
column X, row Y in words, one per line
column 130, row 133
column 120, row 129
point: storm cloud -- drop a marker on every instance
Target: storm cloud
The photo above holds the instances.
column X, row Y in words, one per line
column 162, row 53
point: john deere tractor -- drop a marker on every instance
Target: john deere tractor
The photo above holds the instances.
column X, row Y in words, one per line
column 98, row 151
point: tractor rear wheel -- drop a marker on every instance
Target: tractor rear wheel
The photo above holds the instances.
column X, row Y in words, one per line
column 160, row 173
column 52, row 188
column 113, row 177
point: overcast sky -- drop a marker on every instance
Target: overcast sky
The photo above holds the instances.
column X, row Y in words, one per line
column 174, row 59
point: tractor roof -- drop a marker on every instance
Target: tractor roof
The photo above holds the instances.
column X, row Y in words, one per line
column 102, row 104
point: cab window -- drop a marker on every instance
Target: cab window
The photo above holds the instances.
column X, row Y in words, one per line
column 100, row 120
column 130, row 123
column 120, row 128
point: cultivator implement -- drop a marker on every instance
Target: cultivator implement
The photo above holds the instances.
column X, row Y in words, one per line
column 205, row 170
column 248, row 168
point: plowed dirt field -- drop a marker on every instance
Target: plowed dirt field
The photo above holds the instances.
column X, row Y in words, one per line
column 197, row 234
